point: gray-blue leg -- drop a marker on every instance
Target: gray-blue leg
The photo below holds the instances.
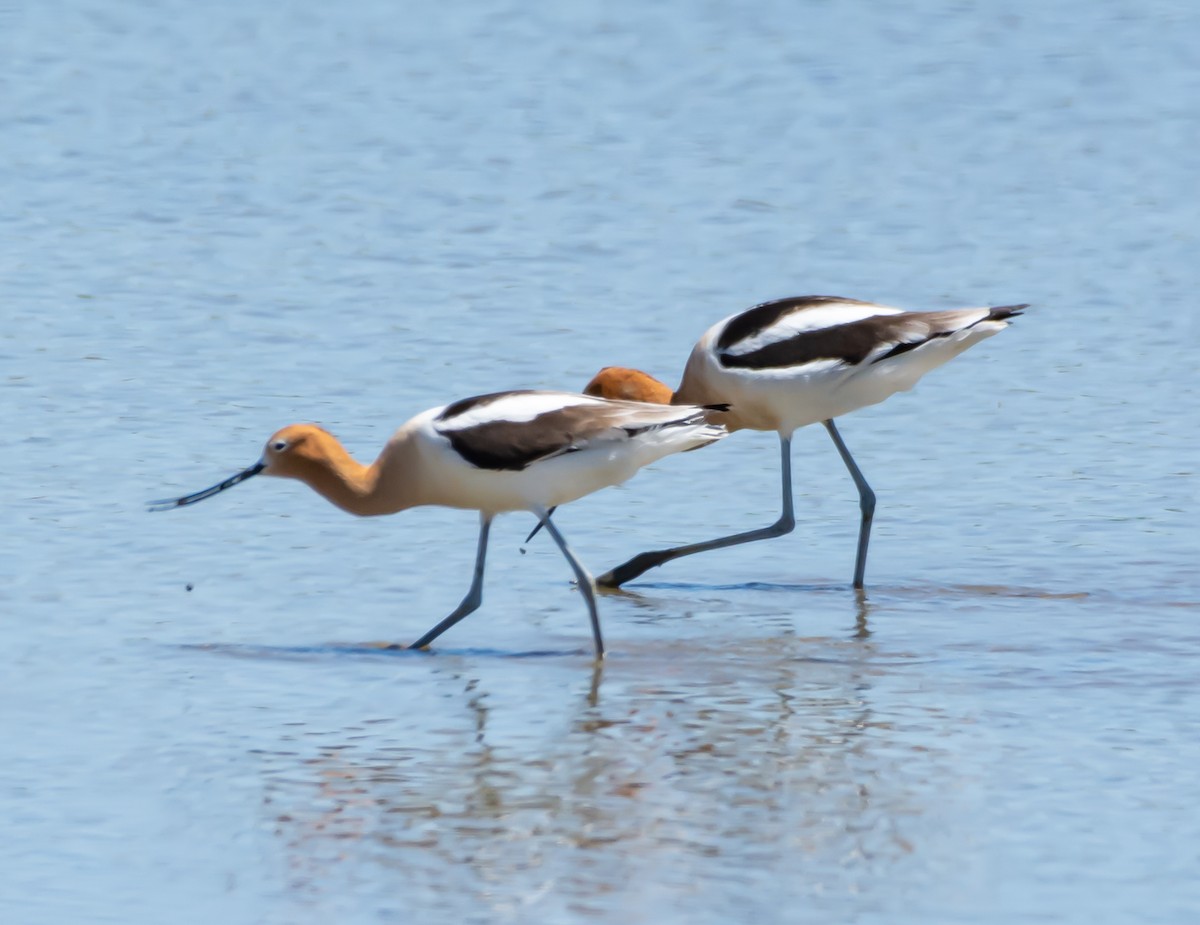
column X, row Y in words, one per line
column 645, row 561
column 586, row 585
column 866, row 504
column 474, row 597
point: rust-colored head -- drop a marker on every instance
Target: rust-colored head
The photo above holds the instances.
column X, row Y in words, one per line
column 628, row 385
column 298, row 451
column 314, row 456
column 294, row 451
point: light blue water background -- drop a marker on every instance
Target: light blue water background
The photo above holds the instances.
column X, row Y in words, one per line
column 218, row 218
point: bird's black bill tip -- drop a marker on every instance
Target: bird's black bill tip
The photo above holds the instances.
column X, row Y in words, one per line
column 164, row 504
column 167, row 503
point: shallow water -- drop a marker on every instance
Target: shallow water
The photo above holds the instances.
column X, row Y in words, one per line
column 222, row 218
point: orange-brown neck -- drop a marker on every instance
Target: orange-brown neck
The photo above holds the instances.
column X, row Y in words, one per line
column 350, row 485
column 317, row 458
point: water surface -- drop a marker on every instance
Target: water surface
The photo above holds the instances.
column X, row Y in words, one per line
column 220, row 219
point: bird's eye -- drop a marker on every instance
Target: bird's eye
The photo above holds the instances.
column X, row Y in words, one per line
column 279, row 446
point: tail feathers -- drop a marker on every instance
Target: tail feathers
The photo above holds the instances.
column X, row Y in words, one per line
column 693, row 416
column 1004, row 312
column 710, row 434
column 963, row 327
column 714, row 428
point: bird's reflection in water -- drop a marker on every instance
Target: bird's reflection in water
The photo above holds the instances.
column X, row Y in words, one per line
column 862, row 610
column 662, row 774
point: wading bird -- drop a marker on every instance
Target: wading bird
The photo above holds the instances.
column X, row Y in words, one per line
column 791, row 362
column 507, row 451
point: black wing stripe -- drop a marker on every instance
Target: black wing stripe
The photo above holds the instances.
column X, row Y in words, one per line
column 512, row 446
column 509, row 446
column 849, row 343
column 753, row 321
column 462, row 406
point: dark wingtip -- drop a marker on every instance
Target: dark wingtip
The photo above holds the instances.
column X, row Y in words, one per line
column 719, row 406
column 1002, row 312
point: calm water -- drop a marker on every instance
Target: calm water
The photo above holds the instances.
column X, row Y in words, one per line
column 219, row 218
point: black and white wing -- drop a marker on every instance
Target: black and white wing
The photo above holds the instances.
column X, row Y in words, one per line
column 515, row 430
column 820, row 330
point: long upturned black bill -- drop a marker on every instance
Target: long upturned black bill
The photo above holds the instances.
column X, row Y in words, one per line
column 168, row 503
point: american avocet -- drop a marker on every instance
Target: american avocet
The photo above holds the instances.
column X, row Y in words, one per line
column 507, row 451
column 791, row 362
